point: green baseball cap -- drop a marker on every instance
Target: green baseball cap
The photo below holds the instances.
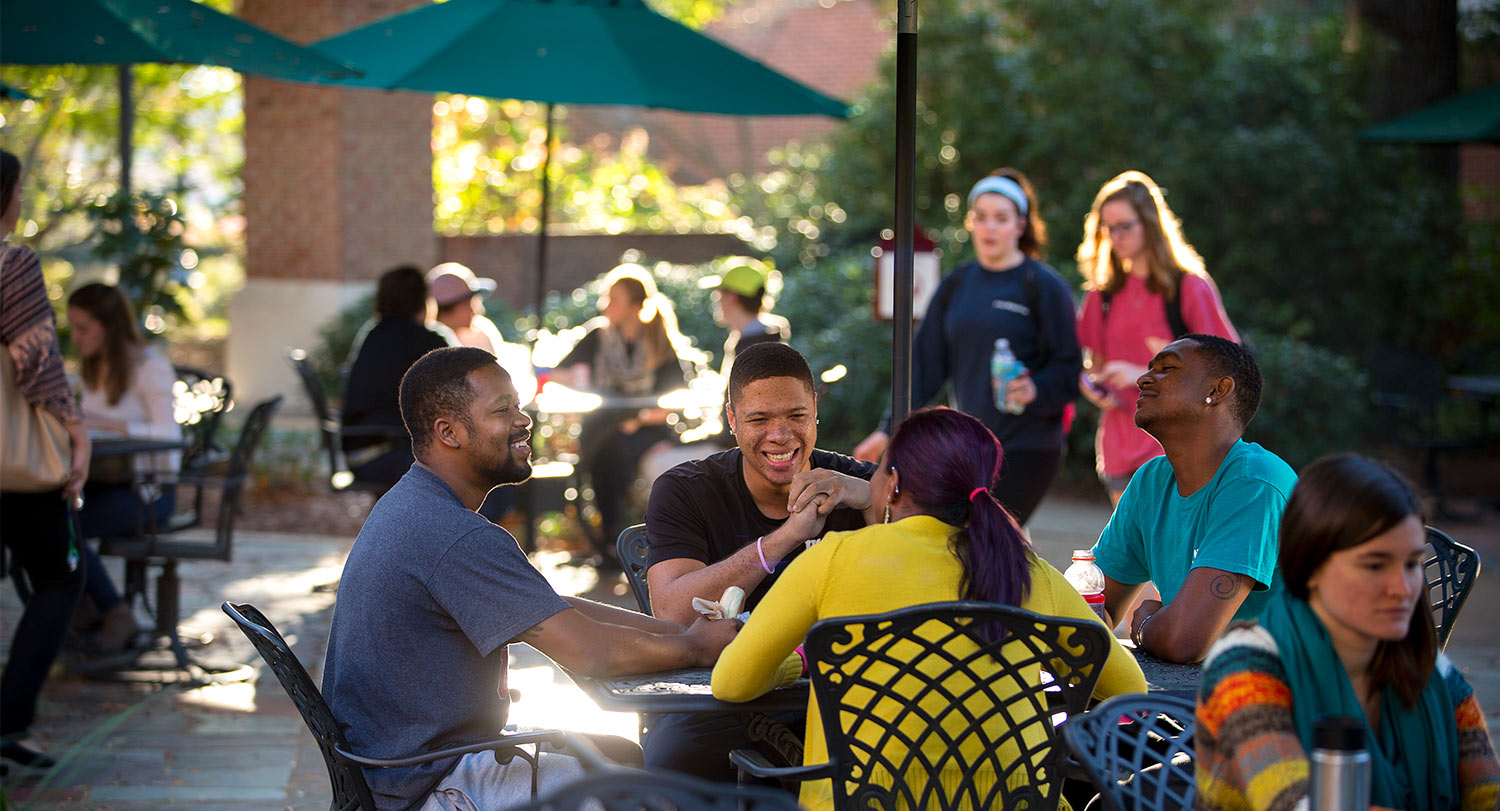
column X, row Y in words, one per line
column 744, row 275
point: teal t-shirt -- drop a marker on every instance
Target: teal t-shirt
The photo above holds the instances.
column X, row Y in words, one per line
column 1231, row 523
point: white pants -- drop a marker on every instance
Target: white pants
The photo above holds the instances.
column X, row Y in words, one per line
column 478, row 783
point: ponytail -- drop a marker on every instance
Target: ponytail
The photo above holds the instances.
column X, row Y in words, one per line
column 961, row 460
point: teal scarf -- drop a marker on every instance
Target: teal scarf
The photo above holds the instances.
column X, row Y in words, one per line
column 1414, row 756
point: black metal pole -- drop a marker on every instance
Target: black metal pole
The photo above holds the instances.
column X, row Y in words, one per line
column 127, row 127
column 541, row 231
column 906, row 136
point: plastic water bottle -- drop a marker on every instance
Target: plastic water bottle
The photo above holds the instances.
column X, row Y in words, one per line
column 1340, row 765
column 1086, row 576
column 1004, row 368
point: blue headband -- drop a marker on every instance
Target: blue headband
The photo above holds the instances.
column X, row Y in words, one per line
column 1000, row 185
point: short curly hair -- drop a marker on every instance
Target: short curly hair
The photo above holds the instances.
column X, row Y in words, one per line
column 1228, row 359
column 767, row 360
column 437, row 385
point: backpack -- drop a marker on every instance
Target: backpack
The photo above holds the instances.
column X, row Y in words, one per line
column 1171, row 304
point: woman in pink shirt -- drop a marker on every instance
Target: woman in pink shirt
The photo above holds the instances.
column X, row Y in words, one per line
column 1145, row 286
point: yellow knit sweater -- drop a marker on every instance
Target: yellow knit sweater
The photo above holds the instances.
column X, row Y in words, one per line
column 873, row 570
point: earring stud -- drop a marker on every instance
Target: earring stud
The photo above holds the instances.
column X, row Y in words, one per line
column 1208, row 401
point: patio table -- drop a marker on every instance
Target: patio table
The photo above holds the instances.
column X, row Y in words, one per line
column 688, row 690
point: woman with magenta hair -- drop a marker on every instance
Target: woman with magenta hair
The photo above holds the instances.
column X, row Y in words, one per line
column 937, row 531
column 1351, row 634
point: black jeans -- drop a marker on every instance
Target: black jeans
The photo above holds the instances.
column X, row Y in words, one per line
column 1025, row 476
column 698, row 744
column 35, row 529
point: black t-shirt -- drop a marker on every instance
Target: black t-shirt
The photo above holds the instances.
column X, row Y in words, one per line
column 702, row 510
column 372, row 394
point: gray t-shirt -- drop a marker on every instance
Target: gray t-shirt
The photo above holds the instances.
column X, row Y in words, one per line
column 429, row 597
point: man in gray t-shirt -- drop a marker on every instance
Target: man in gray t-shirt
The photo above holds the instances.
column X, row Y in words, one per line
column 432, row 593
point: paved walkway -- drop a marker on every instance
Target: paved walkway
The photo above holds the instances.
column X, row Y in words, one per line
column 244, row 747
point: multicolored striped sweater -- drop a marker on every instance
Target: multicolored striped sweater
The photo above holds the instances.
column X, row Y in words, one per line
column 1248, row 753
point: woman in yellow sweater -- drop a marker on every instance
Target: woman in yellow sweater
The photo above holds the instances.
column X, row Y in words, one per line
column 943, row 538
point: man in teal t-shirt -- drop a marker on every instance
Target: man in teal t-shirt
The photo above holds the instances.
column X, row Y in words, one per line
column 1201, row 522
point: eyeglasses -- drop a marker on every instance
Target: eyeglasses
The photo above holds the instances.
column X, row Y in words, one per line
column 1121, row 228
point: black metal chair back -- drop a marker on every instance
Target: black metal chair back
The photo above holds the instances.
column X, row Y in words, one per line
column 339, row 477
column 200, row 399
column 632, row 790
column 232, row 487
column 1143, row 763
column 631, row 547
column 944, row 706
column 350, row 791
column 1451, row 569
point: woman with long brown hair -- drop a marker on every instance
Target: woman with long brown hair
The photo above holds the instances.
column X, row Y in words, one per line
column 1146, row 287
column 631, row 350
column 127, row 391
column 1351, row 635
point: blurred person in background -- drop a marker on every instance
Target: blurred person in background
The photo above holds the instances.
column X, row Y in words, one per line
column 127, row 391
column 36, row 527
column 381, row 453
column 1005, row 292
column 742, row 303
column 630, row 351
column 1146, row 287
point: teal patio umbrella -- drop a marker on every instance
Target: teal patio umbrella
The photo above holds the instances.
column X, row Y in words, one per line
column 568, row 51
column 1466, row 118
column 119, row 32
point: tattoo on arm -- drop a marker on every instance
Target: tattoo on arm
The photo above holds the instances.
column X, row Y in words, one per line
column 529, row 634
column 1224, row 586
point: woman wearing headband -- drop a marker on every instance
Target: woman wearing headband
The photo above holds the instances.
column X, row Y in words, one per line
column 1005, row 292
column 1146, row 287
column 935, row 530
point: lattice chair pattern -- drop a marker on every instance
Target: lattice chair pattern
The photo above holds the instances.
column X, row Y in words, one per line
column 350, row 791
column 631, row 547
column 633, row 790
column 1451, row 569
column 945, row 706
column 1144, row 764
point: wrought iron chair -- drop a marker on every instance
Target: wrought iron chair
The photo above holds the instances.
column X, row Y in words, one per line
column 332, row 429
column 944, row 706
column 1146, row 763
column 631, row 547
column 200, row 399
column 166, row 546
column 1450, row 570
column 345, row 769
column 633, row 790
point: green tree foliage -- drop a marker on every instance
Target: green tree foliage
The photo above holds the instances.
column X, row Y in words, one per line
column 1246, row 118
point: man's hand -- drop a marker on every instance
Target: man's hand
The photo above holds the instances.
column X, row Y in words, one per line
column 1185, row 629
column 806, row 522
column 829, row 489
column 1122, row 374
column 709, row 637
column 78, row 463
column 1102, row 398
column 871, row 447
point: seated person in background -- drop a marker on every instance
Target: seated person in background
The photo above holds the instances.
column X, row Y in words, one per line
column 1351, row 634
column 432, row 594
column 1199, row 522
column 458, row 295
column 382, row 356
column 737, row 518
column 741, row 303
column 632, row 350
column 127, row 391
column 944, row 537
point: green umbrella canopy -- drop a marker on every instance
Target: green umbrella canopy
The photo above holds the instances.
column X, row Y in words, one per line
column 568, row 51
column 109, row 32
column 1470, row 117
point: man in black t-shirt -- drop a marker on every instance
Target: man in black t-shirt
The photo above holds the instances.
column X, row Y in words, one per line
column 737, row 518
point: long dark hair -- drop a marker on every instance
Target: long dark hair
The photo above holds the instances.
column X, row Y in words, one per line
column 948, row 455
column 1339, row 503
column 122, row 340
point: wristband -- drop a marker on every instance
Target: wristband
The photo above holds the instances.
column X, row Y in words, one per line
column 1140, row 631
column 803, row 656
column 762, row 552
